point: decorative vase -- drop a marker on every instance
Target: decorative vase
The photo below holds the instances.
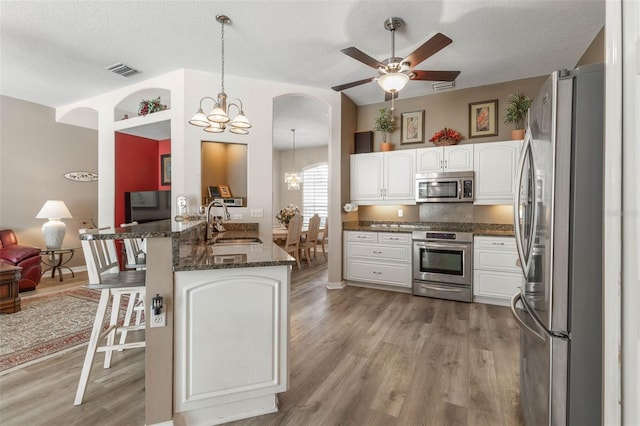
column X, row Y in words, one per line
column 386, row 146
column 517, row 134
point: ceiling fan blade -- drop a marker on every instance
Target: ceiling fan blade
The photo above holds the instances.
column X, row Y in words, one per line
column 352, row 84
column 434, row 75
column 359, row 55
column 429, row 48
column 389, row 95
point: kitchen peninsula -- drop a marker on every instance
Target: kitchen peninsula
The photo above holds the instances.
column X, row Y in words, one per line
column 223, row 354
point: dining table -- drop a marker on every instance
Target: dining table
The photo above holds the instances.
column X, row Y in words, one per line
column 280, row 233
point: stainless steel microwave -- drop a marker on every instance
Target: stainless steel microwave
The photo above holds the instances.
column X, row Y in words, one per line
column 445, row 187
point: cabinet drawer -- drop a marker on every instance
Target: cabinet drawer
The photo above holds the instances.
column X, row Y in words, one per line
column 394, row 238
column 362, row 236
column 373, row 252
column 496, row 260
column 397, row 275
column 495, row 243
column 496, row 284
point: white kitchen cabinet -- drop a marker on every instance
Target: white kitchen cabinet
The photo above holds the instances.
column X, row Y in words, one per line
column 378, row 258
column 495, row 165
column 453, row 158
column 383, row 177
column 496, row 275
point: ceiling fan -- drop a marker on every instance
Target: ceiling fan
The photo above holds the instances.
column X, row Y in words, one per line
column 394, row 73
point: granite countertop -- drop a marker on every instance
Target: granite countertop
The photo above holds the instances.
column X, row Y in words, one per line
column 483, row 229
column 191, row 252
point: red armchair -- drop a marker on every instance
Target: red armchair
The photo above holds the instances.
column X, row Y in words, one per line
column 28, row 258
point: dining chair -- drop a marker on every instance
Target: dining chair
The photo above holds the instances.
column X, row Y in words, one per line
column 136, row 257
column 310, row 241
column 104, row 274
column 292, row 245
column 323, row 237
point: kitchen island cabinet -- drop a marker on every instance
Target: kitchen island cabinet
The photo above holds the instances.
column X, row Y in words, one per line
column 223, row 354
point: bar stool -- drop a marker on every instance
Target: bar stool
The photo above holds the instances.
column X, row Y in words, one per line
column 105, row 275
column 136, row 257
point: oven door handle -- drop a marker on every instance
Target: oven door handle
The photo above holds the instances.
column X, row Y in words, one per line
column 459, row 246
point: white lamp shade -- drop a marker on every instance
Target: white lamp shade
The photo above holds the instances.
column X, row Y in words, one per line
column 238, row 131
column 54, row 209
column 241, row 121
column 218, row 115
column 393, row 82
column 214, row 128
column 199, row 119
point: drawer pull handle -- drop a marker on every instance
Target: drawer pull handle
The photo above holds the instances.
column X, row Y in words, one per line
column 497, row 244
column 377, row 273
column 377, row 252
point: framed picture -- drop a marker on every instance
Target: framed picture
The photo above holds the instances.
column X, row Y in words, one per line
column 412, row 129
column 483, row 119
column 225, row 192
column 165, row 169
column 214, row 192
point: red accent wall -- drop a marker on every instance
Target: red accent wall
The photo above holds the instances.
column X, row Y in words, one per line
column 137, row 167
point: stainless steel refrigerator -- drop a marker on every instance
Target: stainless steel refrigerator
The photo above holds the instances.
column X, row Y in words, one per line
column 558, row 212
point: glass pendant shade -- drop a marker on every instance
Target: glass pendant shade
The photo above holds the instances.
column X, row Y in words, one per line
column 241, row 121
column 393, row 82
column 218, row 115
column 214, row 128
column 238, row 131
column 200, row 119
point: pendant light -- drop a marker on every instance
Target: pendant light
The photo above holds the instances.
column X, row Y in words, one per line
column 293, row 179
column 218, row 119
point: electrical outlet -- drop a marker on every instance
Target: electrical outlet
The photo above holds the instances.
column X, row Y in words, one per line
column 400, row 213
column 257, row 213
column 159, row 320
column 237, row 216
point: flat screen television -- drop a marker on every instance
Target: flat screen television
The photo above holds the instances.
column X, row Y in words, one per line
column 147, row 206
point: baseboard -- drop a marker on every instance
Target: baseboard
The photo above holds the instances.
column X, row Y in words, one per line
column 336, row 286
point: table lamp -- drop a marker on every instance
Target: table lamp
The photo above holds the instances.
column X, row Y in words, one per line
column 53, row 231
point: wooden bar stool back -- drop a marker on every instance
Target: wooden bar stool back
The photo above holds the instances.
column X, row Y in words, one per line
column 292, row 244
column 311, row 240
column 105, row 275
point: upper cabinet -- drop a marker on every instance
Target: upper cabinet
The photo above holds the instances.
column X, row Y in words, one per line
column 453, row 158
column 383, row 177
column 495, row 166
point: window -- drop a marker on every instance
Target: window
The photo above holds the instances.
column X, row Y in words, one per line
column 315, row 192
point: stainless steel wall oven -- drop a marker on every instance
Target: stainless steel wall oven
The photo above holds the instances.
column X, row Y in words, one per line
column 443, row 265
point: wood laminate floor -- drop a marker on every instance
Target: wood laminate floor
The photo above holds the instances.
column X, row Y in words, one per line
column 358, row 356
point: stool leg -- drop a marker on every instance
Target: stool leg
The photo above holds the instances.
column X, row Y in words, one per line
column 93, row 344
column 115, row 311
column 127, row 318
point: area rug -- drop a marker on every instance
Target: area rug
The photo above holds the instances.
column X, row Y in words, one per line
column 48, row 325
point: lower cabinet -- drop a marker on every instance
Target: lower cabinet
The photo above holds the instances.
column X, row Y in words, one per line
column 496, row 275
column 379, row 258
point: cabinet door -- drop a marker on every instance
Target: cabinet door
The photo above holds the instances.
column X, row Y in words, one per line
column 458, row 158
column 399, row 175
column 495, row 166
column 429, row 160
column 366, row 176
column 496, row 285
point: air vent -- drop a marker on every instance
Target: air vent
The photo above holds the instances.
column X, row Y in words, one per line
column 442, row 85
column 122, row 69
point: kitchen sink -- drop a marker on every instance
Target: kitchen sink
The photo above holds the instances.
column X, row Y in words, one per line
column 235, row 241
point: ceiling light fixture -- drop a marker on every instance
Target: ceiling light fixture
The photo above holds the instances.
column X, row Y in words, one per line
column 218, row 118
column 293, row 179
column 393, row 82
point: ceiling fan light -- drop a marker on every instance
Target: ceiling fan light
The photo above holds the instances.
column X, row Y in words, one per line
column 241, row 121
column 214, row 128
column 199, row 119
column 393, row 82
column 218, row 115
column 238, row 131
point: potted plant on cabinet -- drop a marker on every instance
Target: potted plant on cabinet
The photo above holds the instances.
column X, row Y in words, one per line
column 384, row 124
column 517, row 107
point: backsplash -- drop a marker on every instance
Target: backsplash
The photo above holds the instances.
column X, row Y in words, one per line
column 436, row 212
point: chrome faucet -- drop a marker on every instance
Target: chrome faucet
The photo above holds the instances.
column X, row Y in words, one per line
column 227, row 216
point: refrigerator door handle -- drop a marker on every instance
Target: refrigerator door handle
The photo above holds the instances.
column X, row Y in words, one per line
column 514, row 300
column 516, row 202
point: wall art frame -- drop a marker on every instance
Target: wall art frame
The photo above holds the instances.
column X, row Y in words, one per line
column 412, row 127
column 165, row 169
column 483, row 119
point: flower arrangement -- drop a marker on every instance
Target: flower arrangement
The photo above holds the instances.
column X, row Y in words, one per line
column 445, row 137
column 285, row 214
column 148, row 106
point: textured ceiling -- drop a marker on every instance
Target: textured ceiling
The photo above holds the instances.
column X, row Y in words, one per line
column 54, row 53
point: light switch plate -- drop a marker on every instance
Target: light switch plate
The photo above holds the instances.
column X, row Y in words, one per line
column 257, row 213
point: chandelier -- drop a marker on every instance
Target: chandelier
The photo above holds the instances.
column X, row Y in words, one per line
column 293, row 179
column 218, row 119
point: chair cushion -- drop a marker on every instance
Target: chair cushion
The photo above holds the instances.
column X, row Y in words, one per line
column 16, row 253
